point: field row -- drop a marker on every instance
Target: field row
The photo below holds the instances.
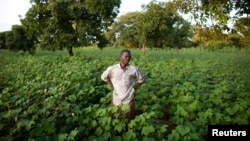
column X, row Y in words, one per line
column 56, row 97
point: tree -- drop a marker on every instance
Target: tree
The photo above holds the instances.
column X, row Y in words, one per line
column 181, row 34
column 18, row 39
column 157, row 26
column 2, row 40
column 124, row 31
column 63, row 24
column 160, row 26
column 241, row 6
column 242, row 27
column 216, row 11
column 210, row 38
column 217, row 16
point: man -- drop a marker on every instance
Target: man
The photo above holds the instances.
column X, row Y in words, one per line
column 123, row 78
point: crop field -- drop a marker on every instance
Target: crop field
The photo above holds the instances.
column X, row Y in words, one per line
column 51, row 96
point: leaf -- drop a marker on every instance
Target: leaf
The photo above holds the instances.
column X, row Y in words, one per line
column 72, row 98
column 227, row 119
column 29, row 124
column 36, row 131
column 94, row 123
column 100, row 112
column 62, row 137
column 183, row 130
column 114, row 109
column 192, row 106
column 174, row 136
column 98, row 131
column 132, row 124
column 148, row 139
column 116, row 138
column 1, row 126
column 72, row 134
column 195, row 136
column 115, row 121
column 236, row 108
column 140, row 119
column 163, row 128
column 49, row 127
column 147, row 130
column 106, row 120
column 209, row 113
column 119, row 127
column 21, row 123
column 107, row 127
column 186, row 98
column 125, row 108
column 92, row 138
column 128, row 136
column 181, row 111
column 218, row 117
column 106, row 136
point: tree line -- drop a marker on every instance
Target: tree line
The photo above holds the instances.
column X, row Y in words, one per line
column 60, row 24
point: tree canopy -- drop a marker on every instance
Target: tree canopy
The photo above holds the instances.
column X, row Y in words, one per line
column 18, row 39
column 157, row 26
column 63, row 24
column 218, row 11
column 124, row 31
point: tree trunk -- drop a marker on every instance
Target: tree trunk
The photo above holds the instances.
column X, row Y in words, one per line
column 143, row 49
column 71, row 51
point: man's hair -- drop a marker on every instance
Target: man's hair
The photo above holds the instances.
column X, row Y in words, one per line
column 125, row 50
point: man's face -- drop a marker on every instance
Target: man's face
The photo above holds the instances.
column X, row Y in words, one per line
column 125, row 58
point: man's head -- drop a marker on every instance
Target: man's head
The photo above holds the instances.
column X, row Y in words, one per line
column 125, row 56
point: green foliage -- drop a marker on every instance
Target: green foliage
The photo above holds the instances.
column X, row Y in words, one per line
column 124, row 31
column 219, row 11
column 157, row 26
column 2, row 40
column 214, row 39
column 61, row 24
column 52, row 97
column 162, row 26
column 19, row 39
column 242, row 28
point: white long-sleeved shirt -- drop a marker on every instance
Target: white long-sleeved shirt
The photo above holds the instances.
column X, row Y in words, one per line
column 123, row 81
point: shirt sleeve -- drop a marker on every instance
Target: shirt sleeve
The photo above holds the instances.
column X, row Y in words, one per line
column 140, row 76
column 105, row 74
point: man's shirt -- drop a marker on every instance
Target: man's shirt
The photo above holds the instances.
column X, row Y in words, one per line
column 123, row 81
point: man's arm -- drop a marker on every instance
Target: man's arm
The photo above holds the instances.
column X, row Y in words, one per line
column 140, row 79
column 110, row 84
column 105, row 78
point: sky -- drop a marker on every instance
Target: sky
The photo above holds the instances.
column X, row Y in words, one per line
column 11, row 10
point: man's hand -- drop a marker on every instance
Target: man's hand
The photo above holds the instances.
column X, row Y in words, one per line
column 110, row 84
column 137, row 85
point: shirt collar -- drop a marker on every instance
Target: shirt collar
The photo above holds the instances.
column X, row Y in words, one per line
column 127, row 66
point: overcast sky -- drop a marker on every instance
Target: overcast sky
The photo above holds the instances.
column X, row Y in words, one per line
column 11, row 9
